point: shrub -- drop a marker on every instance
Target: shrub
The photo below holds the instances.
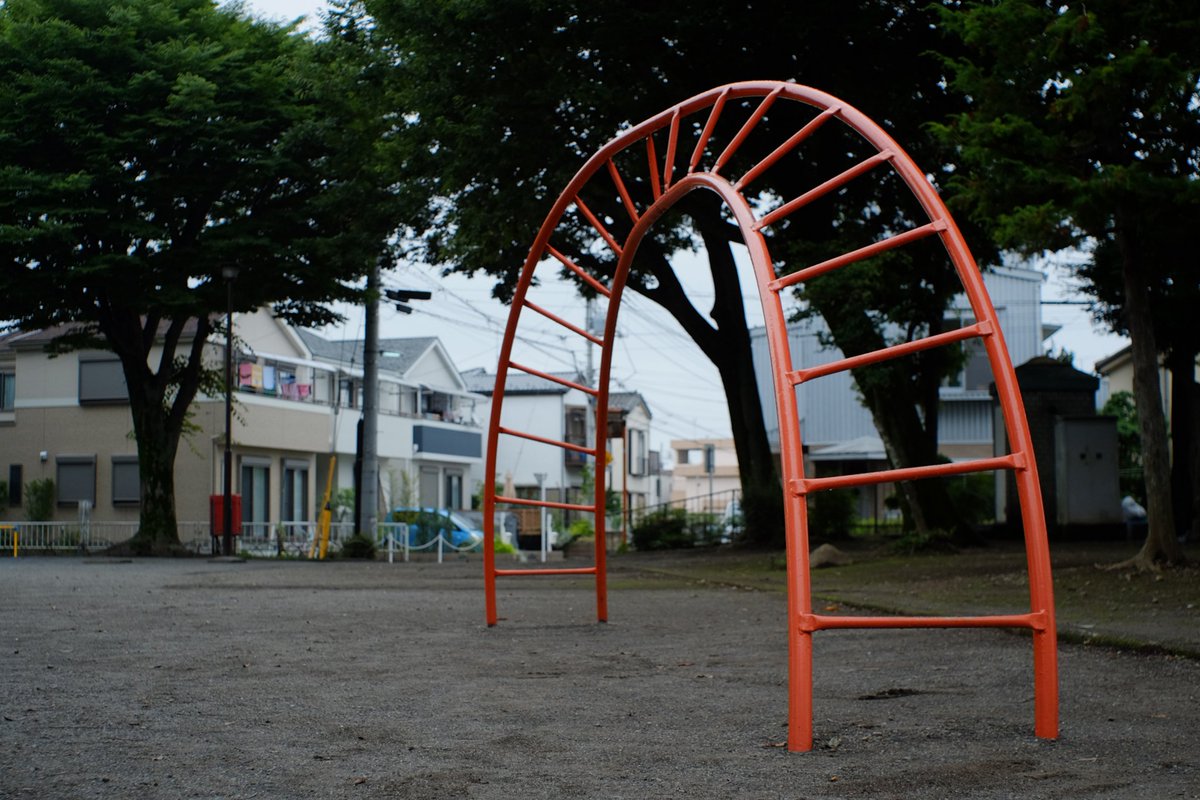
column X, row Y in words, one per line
column 831, row 514
column 358, row 546
column 666, row 529
column 973, row 497
column 502, row 546
column 39, row 500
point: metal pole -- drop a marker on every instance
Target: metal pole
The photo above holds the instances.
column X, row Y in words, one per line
column 369, row 485
column 229, row 273
column 541, row 479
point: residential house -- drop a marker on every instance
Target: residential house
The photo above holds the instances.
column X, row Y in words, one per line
column 633, row 469
column 1116, row 375
column 430, row 438
column 297, row 403
column 542, row 408
column 558, row 412
column 706, row 473
column 838, row 432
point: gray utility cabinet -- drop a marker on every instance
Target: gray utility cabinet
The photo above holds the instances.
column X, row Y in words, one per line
column 1087, row 487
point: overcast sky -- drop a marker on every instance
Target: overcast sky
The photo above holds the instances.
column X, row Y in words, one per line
column 653, row 355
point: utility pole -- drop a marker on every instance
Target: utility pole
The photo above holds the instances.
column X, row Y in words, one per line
column 368, row 487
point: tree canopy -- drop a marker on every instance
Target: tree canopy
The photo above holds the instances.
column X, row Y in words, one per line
column 505, row 101
column 1082, row 128
column 145, row 146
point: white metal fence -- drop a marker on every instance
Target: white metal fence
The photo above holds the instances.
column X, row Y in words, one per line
column 285, row 539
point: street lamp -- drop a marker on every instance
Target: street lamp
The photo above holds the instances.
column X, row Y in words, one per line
column 230, row 275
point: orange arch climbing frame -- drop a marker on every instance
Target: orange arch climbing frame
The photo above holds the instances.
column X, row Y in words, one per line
column 695, row 158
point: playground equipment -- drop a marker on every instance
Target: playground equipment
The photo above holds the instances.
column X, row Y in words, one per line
column 669, row 180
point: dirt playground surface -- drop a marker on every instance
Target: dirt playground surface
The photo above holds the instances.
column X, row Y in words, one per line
column 191, row 679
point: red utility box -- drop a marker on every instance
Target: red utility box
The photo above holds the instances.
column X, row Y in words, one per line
column 216, row 513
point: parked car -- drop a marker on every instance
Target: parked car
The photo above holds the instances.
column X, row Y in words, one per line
column 426, row 524
column 506, row 528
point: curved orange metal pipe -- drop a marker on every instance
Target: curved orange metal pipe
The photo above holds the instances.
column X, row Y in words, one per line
column 801, row 621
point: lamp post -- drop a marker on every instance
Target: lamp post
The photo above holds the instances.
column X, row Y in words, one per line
column 230, row 275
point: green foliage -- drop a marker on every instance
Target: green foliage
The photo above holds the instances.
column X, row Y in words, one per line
column 148, row 144
column 501, row 546
column 1083, row 128
column 581, row 528
column 39, row 500
column 675, row 528
column 666, row 529
column 1129, row 444
column 912, row 543
column 358, row 546
column 973, row 497
column 831, row 514
column 499, row 124
column 342, row 503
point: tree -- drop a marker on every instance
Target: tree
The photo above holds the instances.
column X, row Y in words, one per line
column 504, row 102
column 1083, row 129
column 147, row 144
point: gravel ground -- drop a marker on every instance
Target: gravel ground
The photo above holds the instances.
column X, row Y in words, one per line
column 191, row 679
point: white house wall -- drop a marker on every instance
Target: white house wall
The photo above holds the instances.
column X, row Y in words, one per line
column 434, row 370
column 830, row 407
column 47, row 382
column 262, row 333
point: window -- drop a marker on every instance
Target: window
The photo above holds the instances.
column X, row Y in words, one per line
column 256, row 480
column 76, row 479
column 126, row 482
column 637, row 452
column 295, row 491
column 8, row 390
column 102, row 381
column 454, row 498
column 347, row 393
column 15, row 482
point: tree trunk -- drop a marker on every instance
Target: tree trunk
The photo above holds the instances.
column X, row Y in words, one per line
column 1194, row 456
column 1161, row 544
column 159, row 402
column 728, row 348
column 158, row 531
column 1183, row 437
column 891, row 396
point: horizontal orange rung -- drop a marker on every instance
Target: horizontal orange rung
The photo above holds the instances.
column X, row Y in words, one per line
column 550, row 315
column 521, row 501
column 861, row 254
column 551, row 571
column 895, row 351
column 578, row 270
column 825, row 188
column 554, row 378
column 807, row 485
column 578, row 448
column 1035, row 620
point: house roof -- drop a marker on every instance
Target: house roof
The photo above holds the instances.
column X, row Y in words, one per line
column 628, row 401
column 1111, row 362
column 861, row 448
column 1050, row 374
column 481, row 381
column 39, row 339
column 396, row 355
